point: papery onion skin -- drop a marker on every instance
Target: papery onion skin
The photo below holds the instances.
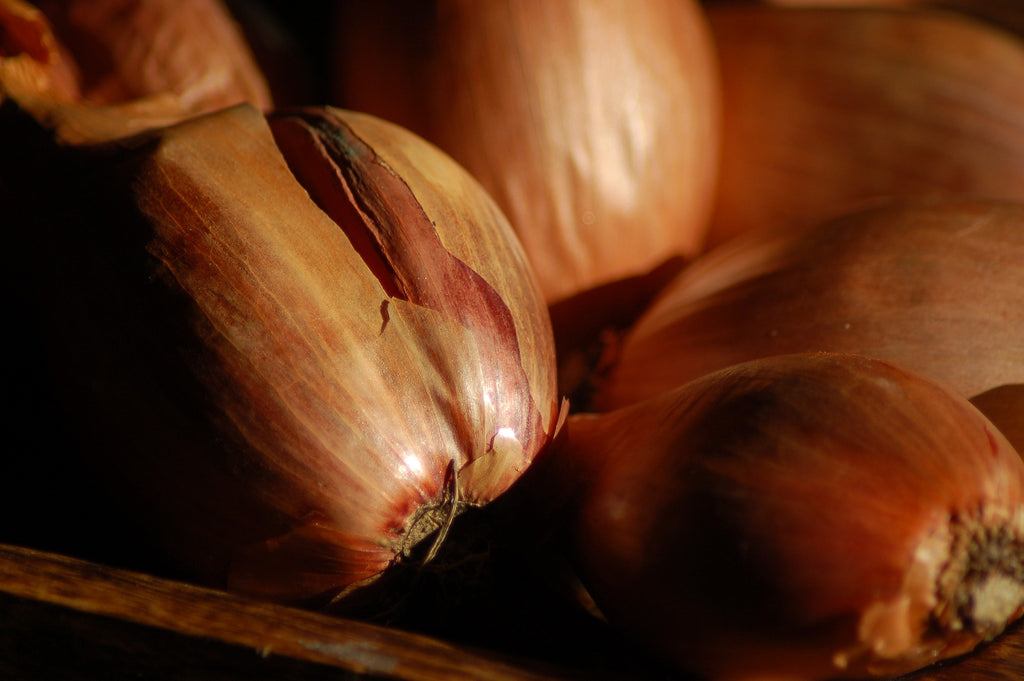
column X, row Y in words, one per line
column 29, row 48
column 274, row 418
column 98, row 70
column 593, row 125
column 800, row 517
column 935, row 286
column 825, row 108
column 131, row 49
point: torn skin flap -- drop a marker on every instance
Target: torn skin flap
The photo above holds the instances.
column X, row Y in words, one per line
column 315, row 169
column 400, row 243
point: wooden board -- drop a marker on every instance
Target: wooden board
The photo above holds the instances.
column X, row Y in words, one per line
column 69, row 619
column 74, row 620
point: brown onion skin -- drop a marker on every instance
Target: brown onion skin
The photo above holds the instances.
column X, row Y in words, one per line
column 276, row 409
column 824, row 108
column 593, row 125
column 100, row 70
column 788, row 519
column 935, row 286
column 131, row 49
column 28, row 40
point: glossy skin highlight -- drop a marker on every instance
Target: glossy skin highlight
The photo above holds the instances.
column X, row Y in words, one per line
column 593, row 125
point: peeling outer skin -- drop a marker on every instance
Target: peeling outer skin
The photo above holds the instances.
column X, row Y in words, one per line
column 404, row 247
column 193, row 50
column 30, row 56
column 102, row 70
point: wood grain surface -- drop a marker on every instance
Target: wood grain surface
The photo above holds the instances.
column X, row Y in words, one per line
column 63, row 618
column 70, row 619
column 999, row 660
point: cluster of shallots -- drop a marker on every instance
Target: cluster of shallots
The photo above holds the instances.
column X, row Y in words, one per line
column 723, row 300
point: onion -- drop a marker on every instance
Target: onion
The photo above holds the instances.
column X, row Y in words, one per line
column 935, row 286
column 826, row 108
column 129, row 49
column 293, row 350
column 137, row 64
column 593, row 125
column 800, row 517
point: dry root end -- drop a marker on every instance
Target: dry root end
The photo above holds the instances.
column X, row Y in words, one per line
column 433, row 519
column 981, row 588
column 385, row 597
column 967, row 579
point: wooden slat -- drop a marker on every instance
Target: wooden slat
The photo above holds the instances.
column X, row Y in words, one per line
column 65, row 618
column 73, row 620
column 999, row 660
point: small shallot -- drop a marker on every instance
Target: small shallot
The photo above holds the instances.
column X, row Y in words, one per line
column 936, row 286
column 824, row 108
column 800, row 517
column 594, row 125
column 292, row 349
